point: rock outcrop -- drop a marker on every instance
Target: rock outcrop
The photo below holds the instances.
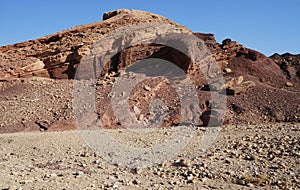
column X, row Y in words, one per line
column 257, row 88
column 289, row 63
column 58, row 55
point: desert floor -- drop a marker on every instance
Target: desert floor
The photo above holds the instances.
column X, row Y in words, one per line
column 241, row 157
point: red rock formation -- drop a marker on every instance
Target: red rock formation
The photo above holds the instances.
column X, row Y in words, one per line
column 269, row 91
column 61, row 52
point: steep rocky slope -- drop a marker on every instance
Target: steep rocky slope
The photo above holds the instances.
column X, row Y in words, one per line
column 258, row 89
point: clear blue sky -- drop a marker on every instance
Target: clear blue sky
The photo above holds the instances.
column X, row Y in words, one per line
column 265, row 25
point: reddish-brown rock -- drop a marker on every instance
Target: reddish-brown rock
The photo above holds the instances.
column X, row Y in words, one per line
column 262, row 95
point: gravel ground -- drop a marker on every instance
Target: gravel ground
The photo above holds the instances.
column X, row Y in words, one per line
column 242, row 157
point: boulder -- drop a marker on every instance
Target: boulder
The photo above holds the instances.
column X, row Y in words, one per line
column 234, row 81
column 289, row 84
column 240, row 88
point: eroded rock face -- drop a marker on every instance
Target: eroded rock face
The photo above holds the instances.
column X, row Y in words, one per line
column 57, row 56
column 267, row 83
column 261, row 86
column 243, row 61
column 61, row 52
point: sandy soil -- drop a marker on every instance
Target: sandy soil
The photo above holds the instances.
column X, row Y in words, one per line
column 242, row 157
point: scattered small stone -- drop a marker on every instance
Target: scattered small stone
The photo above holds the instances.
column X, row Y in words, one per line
column 241, row 182
column 250, row 157
column 227, row 70
column 190, row 178
column 25, row 181
column 101, row 82
column 137, row 170
column 78, row 173
column 115, row 186
column 82, row 165
column 147, row 88
column 250, row 185
column 227, row 161
column 93, row 185
column 289, row 84
column 184, row 163
column 51, row 175
column 136, row 182
column 97, row 161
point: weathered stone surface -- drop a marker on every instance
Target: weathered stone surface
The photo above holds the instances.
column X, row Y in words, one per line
column 228, row 84
column 227, row 70
column 289, row 63
column 62, row 52
column 240, row 88
column 289, row 84
column 58, row 56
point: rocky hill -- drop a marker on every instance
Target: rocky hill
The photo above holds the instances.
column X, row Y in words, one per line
column 258, row 88
column 290, row 64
